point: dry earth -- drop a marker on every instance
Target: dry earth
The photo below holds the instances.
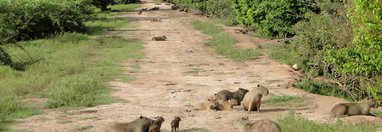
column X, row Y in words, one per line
column 177, row 74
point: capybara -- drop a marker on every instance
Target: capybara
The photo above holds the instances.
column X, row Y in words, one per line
column 252, row 100
column 263, row 125
column 360, row 108
column 175, row 124
column 155, row 127
column 141, row 124
column 238, row 94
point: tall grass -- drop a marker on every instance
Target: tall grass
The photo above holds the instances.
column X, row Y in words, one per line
column 70, row 70
column 291, row 123
column 286, row 100
column 225, row 44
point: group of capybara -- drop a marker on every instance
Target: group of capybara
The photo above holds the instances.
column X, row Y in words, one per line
column 142, row 124
column 250, row 100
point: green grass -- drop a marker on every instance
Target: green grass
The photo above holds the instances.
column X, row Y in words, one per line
column 70, row 70
column 377, row 113
column 291, row 123
column 125, row 7
column 204, row 130
column 83, row 128
column 283, row 53
column 287, row 100
column 224, row 43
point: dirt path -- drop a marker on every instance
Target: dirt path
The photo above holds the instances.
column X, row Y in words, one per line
column 175, row 76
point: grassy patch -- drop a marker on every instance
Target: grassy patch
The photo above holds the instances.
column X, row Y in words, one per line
column 70, row 70
column 286, row 100
column 125, row 7
column 195, row 70
column 377, row 113
column 225, row 44
column 83, row 128
column 291, row 123
column 283, row 53
column 204, row 130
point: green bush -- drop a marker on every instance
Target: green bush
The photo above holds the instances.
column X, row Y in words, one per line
column 31, row 19
column 102, row 4
column 223, row 10
column 192, row 4
column 272, row 18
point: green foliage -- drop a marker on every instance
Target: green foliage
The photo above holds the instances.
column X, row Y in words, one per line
column 192, row 4
column 102, row 4
column 224, row 43
column 222, row 10
column 71, row 67
column 75, row 91
column 272, row 18
column 291, row 123
column 31, row 19
column 322, row 88
column 283, row 53
column 126, row 1
column 363, row 58
column 11, row 107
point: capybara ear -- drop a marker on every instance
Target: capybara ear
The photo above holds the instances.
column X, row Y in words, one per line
column 258, row 85
column 141, row 117
column 241, row 88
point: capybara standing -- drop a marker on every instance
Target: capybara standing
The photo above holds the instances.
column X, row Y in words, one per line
column 263, row 125
column 175, row 124
column 155, row 127
column 141, row 124
column 252, row 100
column 360, row 108
column 237, row 95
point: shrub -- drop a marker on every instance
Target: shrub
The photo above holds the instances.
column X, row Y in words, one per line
column 102, row 4
column 272, row 18
column 221, row 9
column 31, row 19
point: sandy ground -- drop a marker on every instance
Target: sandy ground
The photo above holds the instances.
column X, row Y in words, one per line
column 177, row 74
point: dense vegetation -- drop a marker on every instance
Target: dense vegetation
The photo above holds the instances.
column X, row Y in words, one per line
column 66, row 68
column 337, row 43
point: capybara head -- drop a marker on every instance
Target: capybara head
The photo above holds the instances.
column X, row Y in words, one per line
column 177, row 118
column 243, row 91
column 262, row 89
column 372, row 103
column 239, row 122
column 159, row 119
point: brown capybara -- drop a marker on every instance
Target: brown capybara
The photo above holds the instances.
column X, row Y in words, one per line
column 159, row 38
column 154, row 8
column 238, row 94
column 210, row 103
column 175, row 124
column 263, row 125
column 141, row 124
column 360, row 108
column 252, row 100
column 226, row 105
column 155, row 127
